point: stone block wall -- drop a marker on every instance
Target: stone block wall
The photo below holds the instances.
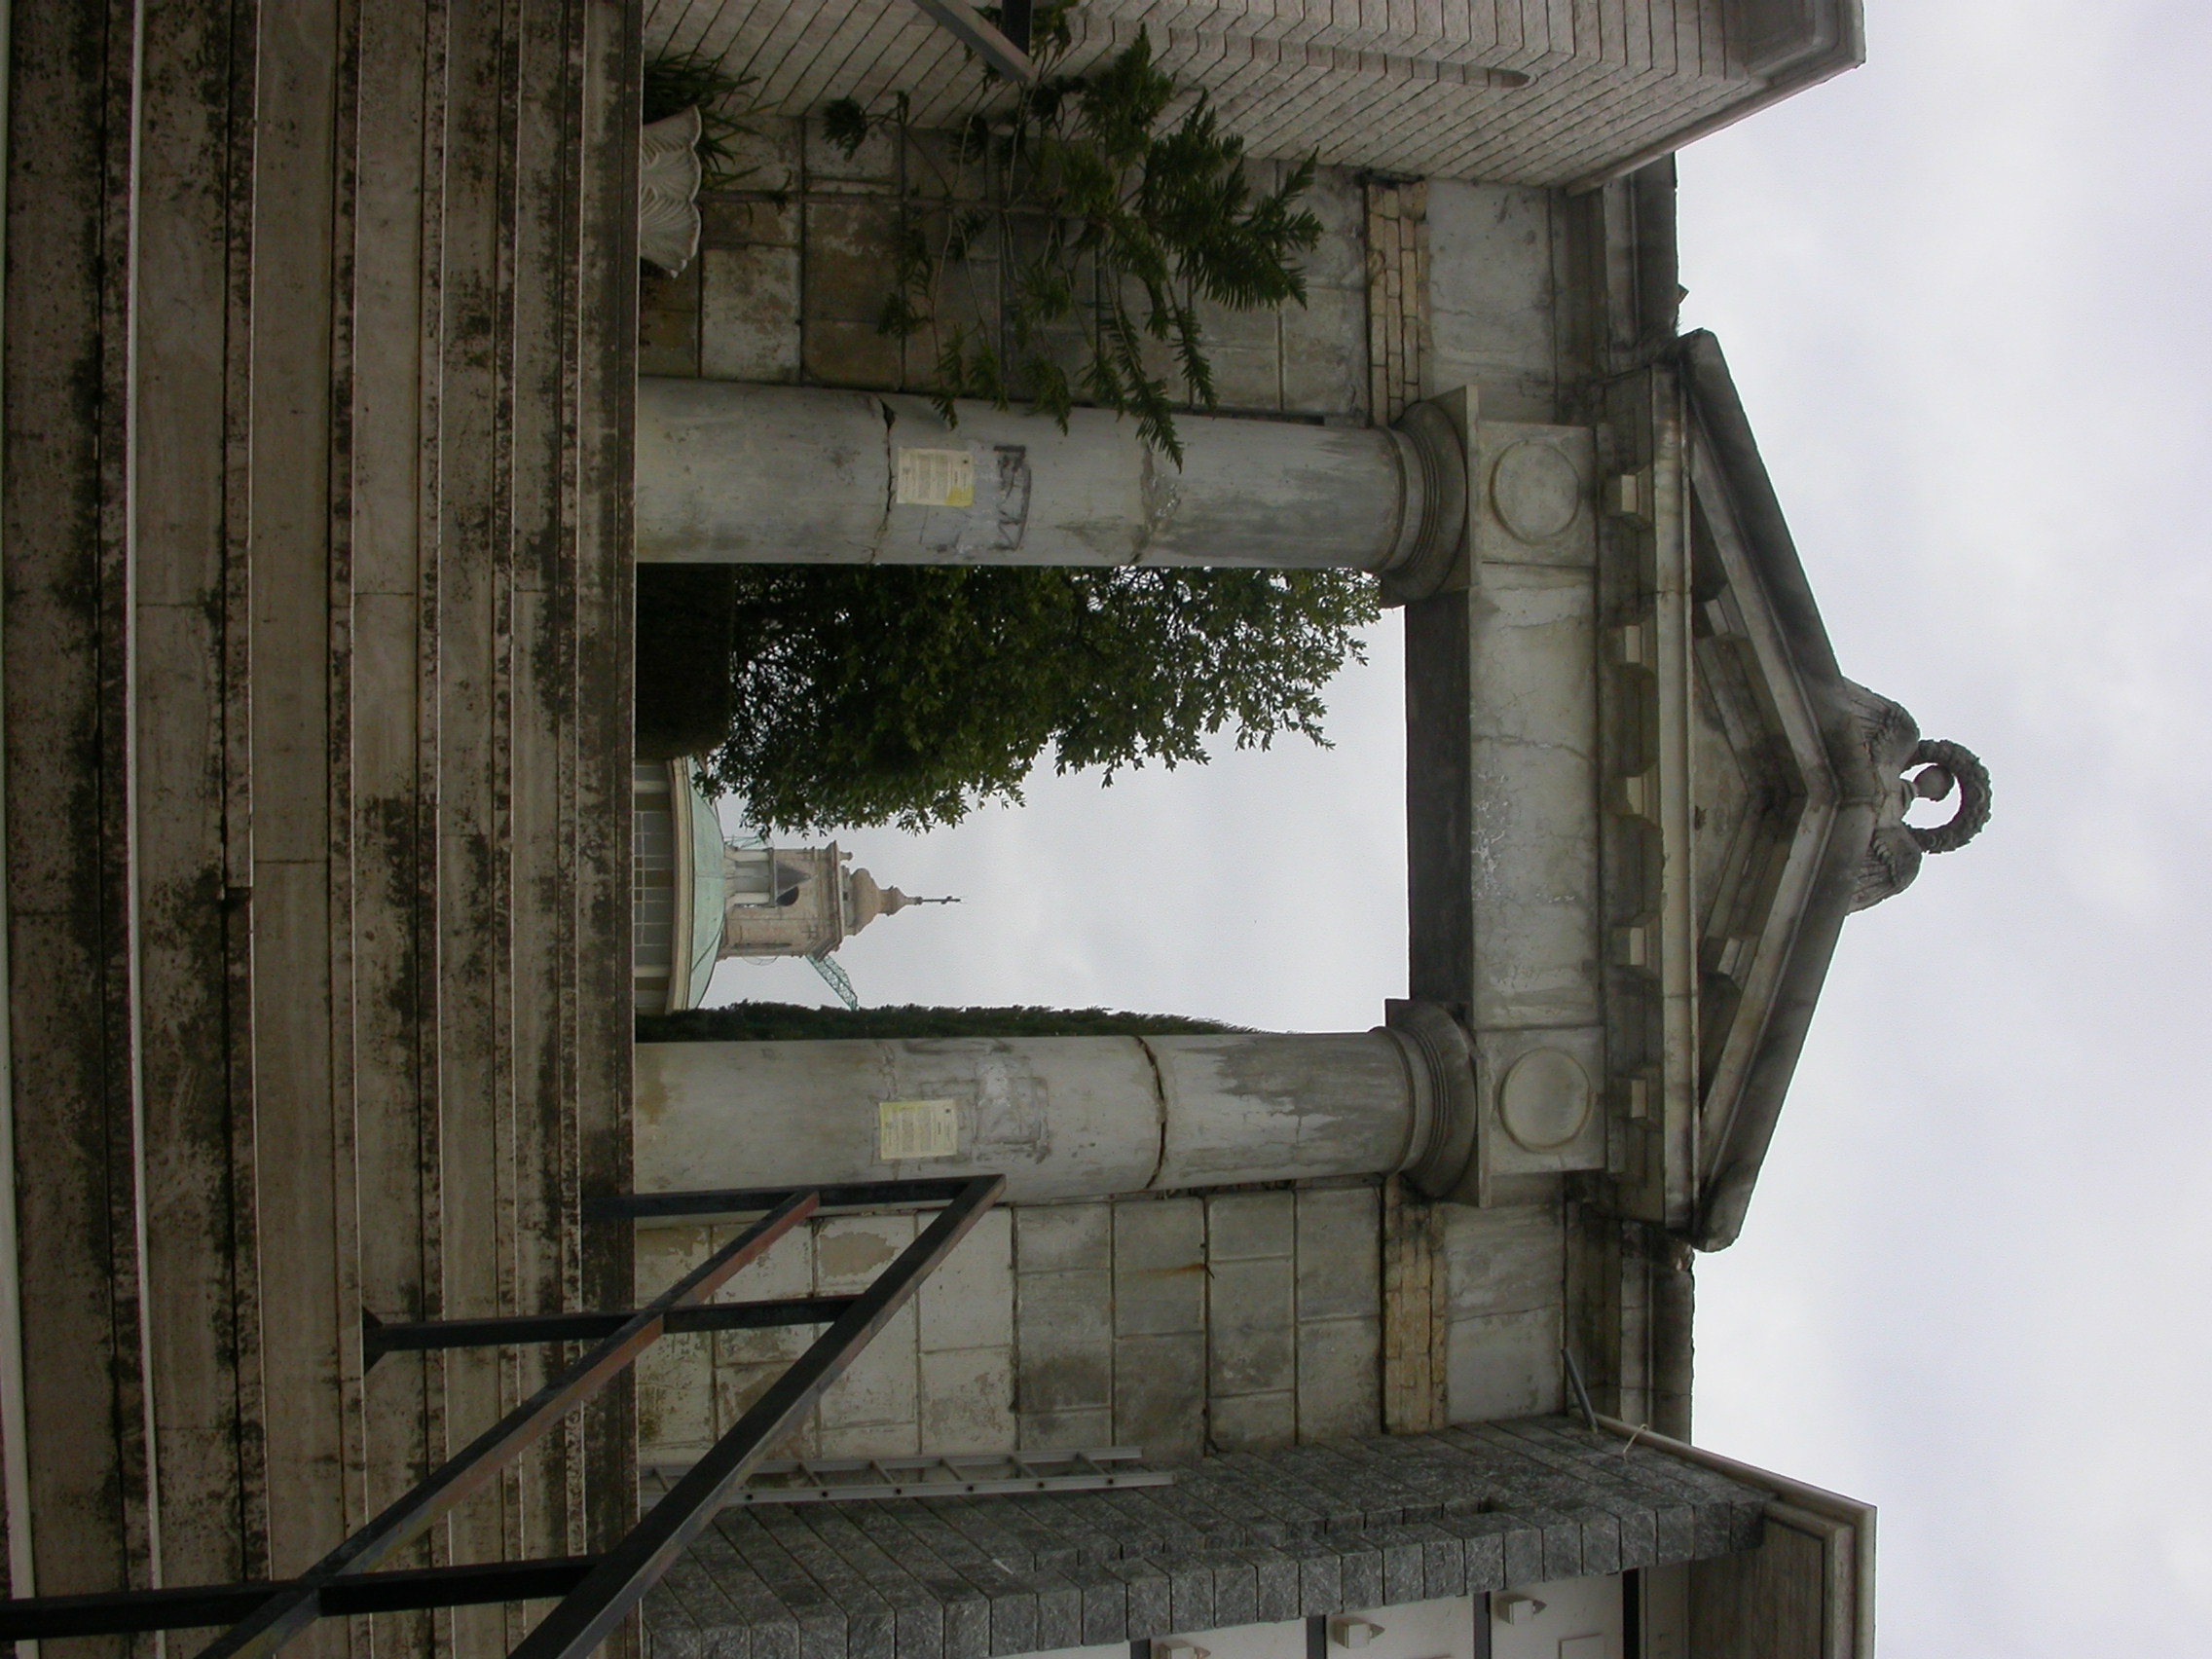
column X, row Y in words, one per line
column 1185, row 1324
column 1225, row 1321
column 1495, row 276
column 795, row 264
column 1415, row 289
column 939, row 1377
column 1505, row 1279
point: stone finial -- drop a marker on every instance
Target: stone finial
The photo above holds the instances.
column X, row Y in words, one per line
column 1903, row 768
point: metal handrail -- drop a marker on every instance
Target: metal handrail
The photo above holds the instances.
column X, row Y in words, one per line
column 590, row 1612
column 285, row 1614
column 597, row 1591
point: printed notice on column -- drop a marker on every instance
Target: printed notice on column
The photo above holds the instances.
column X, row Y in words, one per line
column 936, row 478
column 907, row 1129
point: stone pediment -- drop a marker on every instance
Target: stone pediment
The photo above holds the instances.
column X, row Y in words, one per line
column 1777, row 837
column 1789, row 782
column 1642, row 798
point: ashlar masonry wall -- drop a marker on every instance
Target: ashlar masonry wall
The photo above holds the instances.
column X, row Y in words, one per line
column 1184, row 1324
column 795, row 263
column 1415, row 289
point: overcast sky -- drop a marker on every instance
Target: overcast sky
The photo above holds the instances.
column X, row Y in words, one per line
column 1964, row 294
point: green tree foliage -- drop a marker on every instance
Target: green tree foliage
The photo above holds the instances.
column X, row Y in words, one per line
column 1101, row 225
column 770, row 1022
column 678, row 81
column 1107, row 223
column 906, row 695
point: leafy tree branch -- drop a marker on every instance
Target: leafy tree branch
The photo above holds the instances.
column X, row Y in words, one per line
column 909, row 694
column 678, row 81
column 1102, row 220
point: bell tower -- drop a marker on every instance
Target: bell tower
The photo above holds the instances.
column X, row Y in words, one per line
column 798, row 901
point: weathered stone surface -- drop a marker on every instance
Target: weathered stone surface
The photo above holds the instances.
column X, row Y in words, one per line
column 835, row 351
column 1491, row 297
column 1504, row 1364
column 1159, row 1267
column 966, row 1400
column 968, row 1302
column 873, row 1410
column 1239, row 1422
column 851, row 254
column 669, row 322
column 736, row 222
column 748, row 324
column 319, row 368
column 1339, row 1253
column 1324, row 353
column 1160, row 1394
column 1503, row 1261
column 1063, row 1342
column 1253, row 1326
column 1240, row 1226
column 1339, row 1379
column 1056, row 1237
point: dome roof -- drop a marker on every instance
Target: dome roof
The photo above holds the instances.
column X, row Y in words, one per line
column 864, row 900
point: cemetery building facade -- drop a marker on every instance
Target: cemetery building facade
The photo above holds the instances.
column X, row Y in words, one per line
column 336, row 422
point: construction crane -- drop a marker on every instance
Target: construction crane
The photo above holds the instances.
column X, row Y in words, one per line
column 835, row 978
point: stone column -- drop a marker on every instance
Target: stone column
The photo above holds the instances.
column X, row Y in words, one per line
column 1061, row 1116
column 728, row 472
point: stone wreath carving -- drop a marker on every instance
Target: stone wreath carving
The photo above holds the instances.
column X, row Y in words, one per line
column 1944, row 764
column 1903, row 767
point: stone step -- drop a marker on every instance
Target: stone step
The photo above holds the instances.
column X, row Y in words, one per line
column 317, row 767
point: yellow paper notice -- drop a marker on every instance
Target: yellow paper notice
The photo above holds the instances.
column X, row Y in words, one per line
column 936, row 478
column 907, row 1129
